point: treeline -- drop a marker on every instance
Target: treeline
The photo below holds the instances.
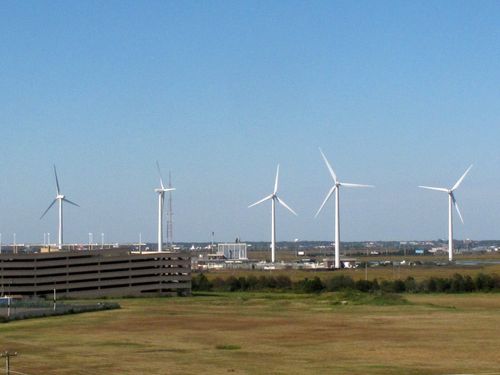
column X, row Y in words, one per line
column 455, row 284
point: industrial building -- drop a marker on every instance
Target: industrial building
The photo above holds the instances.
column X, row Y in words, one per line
column 98, row 273
column 237, row 250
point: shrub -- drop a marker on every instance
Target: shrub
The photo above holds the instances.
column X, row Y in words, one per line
column 484, row 282
column 429, row 285
column 496, row 282
column 410, row 284
column 232, row 284
column 283, row 282
column 252, row 282
column 443, row 285
column 219, row 284
column 469, row 285
column 339, row 282
column 201, row 283
column 310, row 286
column 457, row 284
column 364, row 285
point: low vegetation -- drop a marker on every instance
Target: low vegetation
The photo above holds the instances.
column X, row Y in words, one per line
column 457, row 283
column 345, row 332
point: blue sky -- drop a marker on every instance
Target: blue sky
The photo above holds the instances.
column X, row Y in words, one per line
column 397, row 94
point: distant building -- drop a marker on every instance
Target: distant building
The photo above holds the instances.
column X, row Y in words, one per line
column 344, row 263
column 237, row 250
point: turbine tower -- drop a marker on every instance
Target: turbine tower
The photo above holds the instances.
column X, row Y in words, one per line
column 451, row 202
column 60, row 198
column 161, row 197
column 274, row 198
column 170, row 215
column 336, row 189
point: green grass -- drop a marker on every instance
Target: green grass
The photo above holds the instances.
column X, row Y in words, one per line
column 267, row 333
column 375, row 299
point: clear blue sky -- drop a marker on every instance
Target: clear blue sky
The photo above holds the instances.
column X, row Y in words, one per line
column 397, row 94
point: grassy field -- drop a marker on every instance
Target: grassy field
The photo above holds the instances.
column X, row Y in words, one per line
column 244, row 333
column 380, row 273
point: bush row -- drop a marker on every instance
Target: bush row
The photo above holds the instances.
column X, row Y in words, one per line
column 455, row 284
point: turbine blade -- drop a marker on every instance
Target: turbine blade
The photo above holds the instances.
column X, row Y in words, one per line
column 73, row 203
column 286, row 206
column 461, row 179
column 332, row 173
column 434, row 188
column 48, row 208
column 159, row 174
column 168, row 189
column 457, row 208
column 262, row 200
column 276, row 180
column 356, row 185
column 57, row 181
column 326, row 199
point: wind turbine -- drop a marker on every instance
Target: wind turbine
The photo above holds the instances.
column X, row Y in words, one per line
column 161, row 197
column 336, row 189
column 274, row 198
column 451, row 202
column 60, row 198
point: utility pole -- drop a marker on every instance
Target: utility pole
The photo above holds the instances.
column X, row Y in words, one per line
column 102, row 240
column 7, row 356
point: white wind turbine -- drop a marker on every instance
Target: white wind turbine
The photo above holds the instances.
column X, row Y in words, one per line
column 274, row 197
column 60, row 198
column 336, row 189
column 451, row 202
column 161, row 197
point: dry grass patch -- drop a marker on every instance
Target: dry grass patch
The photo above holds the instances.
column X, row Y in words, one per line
column 245, row 333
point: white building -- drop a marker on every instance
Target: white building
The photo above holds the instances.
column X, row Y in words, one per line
column 232, row 250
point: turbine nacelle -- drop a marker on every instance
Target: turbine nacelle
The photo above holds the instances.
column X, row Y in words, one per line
column 161, row 191
column 336, row 183
column 451, row 191
column 274, row 195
